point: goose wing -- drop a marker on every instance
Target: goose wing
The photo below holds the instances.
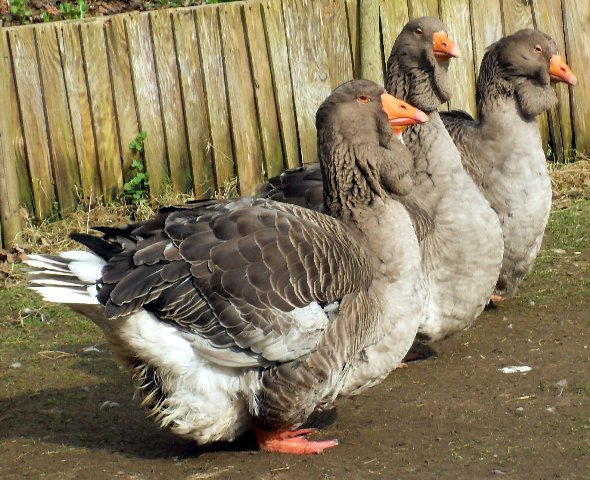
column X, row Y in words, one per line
column 248, row 279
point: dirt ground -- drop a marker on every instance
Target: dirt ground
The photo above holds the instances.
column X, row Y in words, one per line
column 66, row 410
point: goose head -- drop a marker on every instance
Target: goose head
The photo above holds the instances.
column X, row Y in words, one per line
column 360, row 154
column 417, row 69
column 524, row 65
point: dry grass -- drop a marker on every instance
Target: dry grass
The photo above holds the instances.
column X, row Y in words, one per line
column 570, row 181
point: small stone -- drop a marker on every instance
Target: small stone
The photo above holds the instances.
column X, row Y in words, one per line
column 108, row 404
column 531, row 303
column 91, row 349
column 559, row 251
column 16, row 365
column 509, row 326
column 550, row 409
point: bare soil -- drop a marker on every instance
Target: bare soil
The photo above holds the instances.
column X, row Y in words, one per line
column 66, row 410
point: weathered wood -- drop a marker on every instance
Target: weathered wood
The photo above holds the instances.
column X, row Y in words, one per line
column 548, row 18
column 28, row 83
column 265, row 100
column 461, row 71
column 394, row 15
column 10, row 221
column 370, row 41
column 336, row 41
column 309, row 70
column 15, row 141
column 352, row 15
column 423, row 8
column 102, row 108
column 517, row 14
column 484, row 31
column 195, row 104
column 281, row 73
column 242, row 104
column 122, row 89
column 577, row 32
column 147, row 99
column 79, row 107
column 171, row 101
column 61, row 141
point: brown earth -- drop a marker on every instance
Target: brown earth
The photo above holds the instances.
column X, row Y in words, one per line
column 454, row 415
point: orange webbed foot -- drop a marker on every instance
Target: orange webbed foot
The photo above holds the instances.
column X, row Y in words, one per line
column 292, row 441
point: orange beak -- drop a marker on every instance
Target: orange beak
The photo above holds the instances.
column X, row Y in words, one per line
column 443, row 48
column 559, row 71
column 401, row 114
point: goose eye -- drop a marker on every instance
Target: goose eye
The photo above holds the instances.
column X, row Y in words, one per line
column 362, row 98
column 419, row 31
column 538, row 48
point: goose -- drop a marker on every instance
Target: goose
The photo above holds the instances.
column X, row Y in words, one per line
column 250, row 314
column 459, row 233
column 502, row 151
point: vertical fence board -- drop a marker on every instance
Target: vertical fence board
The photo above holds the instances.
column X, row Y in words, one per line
column 455, row 15
column 336, row 41
column 102, row 107
column 424, row 8
column 484, row 31
column 16, row 142
column 122, row 89
column 279, row 61
column 352, row 15
column 216, row 94
column 195, row 104
column 394, row 15
column 171, row 100
column 309, row 70
column 28, row 83
column 10, row 221
column 147, row 99
column 265, row 99
column 247, row 145
column 370, row 41
column 548, row 18
column 577, row 28
column 81, row 116
column 61, row 141
column 518, row 15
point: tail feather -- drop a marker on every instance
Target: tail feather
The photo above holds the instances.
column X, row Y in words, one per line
column 68, row 278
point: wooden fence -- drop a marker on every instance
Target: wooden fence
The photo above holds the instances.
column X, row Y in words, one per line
column 225, row 90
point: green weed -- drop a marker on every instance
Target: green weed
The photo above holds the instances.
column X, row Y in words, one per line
column 137, row 188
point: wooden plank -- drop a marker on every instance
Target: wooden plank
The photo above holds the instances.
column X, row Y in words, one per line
column 195, row 102
column 372, row 64
column 352, row 14
column 309, row 70
column 15, row 141
column 263, row 89
column 79, row 105
column 171, row 101
column 455, row 15
column 517, row 14
column 336, row 41
column 122, row 83
column 281, row 72
column 394, row 15
column 220, row 145
column 246, row 138
column 61, row 140
column 577, row 32
column 483, row 31
column 28, row 83
column 10, row 220
column 548, row 18
column 147, row 99
column 102, row 108
column 423, row 8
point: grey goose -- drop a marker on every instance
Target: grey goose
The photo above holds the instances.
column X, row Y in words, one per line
column 460, row 235
column 247, row 313
column 502, row 150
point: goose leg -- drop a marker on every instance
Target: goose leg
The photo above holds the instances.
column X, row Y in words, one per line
column 291, row 441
